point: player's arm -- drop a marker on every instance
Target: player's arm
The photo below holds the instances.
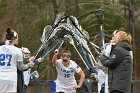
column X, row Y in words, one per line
column 22, row 66
column 82, row 77
column 54, row 59
column 31, row 62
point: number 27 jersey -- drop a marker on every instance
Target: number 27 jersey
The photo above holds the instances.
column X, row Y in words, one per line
column 9, row 56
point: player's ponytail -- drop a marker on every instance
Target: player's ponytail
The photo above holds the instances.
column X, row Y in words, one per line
column 9, row 35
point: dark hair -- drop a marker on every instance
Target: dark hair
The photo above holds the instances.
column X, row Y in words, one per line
column 66, row 50
column 9, row 34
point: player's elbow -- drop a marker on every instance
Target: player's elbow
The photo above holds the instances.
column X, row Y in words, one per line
column 82, row 74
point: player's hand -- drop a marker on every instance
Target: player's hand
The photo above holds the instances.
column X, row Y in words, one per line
column 40, row 60
column 31, row 64
column 97, row 79
column 98, row 65
column 56, row 52
column 76, row 86
column 31, row 58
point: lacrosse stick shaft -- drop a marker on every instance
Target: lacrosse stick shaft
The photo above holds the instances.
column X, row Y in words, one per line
column 58, row 44
column 89, row 52
column 84, row 53
column 80, row 56
column 102, row 35
column 72, row 43
column 91, row 59
column 45, row 41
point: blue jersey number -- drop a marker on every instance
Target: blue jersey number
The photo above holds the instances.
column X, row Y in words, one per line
column 67, row 75
column 3, row 58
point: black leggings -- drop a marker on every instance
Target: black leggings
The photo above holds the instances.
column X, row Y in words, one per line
column 116, row 91
column 60, row 92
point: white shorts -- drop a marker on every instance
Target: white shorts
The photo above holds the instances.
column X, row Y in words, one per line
column 7, row 86
column 65, row 90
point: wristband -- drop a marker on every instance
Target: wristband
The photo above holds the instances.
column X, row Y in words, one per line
column 36, row 62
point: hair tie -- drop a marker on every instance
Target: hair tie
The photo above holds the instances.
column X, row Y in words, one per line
column 7, row 42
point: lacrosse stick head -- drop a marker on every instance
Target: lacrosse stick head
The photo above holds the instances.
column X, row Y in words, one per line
column 46, row 31
column 70, row 39
column 100, row 16
column 59, row 18
column 34, row 75
column 86, row 34
column 73, row 20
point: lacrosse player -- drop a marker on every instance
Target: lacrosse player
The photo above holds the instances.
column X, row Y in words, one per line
column 66, row 68
column 24, row 76
column 10, row 58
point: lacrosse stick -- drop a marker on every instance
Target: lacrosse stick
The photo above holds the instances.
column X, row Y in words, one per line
column 58, row 19
column 72, row 43
column 77, row 36
column 84, row 53
column 102, row 36
column 83, row 42
column 35, row 74
column 100, row 16
column 73, row 24
column 89, row 52
column 85, row 39
column 46, row 30
column 58, row 44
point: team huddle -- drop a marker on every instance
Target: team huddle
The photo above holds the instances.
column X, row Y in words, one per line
column 113, row 70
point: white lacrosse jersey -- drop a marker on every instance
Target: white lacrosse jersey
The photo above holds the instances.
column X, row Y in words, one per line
column 9, row 56
column 65, row 75
column 102, row 77
column 107, row 47
column 27, row 75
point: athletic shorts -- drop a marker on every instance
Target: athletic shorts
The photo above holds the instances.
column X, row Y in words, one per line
column 59, row 89
column 8, row 86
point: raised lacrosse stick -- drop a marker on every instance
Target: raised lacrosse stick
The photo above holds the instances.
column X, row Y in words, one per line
column 58, row 44
column 72, row 43
column 58, row 19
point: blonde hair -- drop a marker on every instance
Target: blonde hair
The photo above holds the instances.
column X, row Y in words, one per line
column 124, row 36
